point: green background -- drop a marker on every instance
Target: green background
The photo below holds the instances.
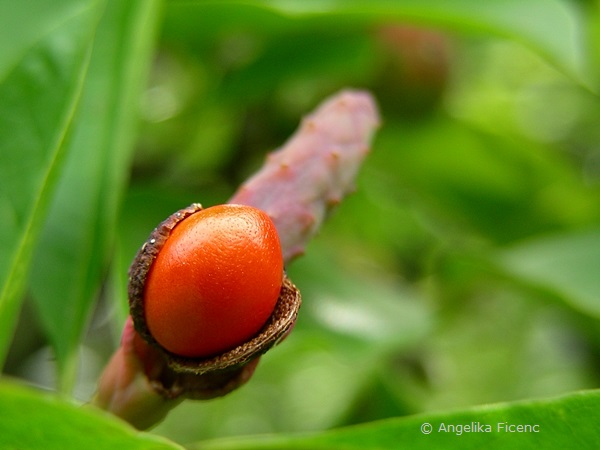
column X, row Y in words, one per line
column 462, row 272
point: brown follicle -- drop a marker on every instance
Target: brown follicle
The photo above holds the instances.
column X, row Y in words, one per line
column 200, row 378
column 140, row 267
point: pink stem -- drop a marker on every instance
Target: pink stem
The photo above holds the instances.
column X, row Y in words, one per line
column 314, row 170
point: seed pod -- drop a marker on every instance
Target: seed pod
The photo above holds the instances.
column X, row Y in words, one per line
column 213, row 374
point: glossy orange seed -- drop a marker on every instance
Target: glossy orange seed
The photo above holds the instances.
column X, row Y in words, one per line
column 215, row 282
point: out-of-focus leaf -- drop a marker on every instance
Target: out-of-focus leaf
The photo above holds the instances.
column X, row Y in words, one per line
column 475, row 182
column 43, row 60
column 32, row 420
column 72, row 255
column 570, row 421
column 321, row 56
column 566, row 264
column 551, row 27
column 368, row 313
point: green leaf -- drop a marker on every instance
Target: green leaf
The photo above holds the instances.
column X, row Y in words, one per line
column 34, row 420
column 551, row 27
column 73, row 253
column 566, row 264
column 41, row 77
column 569, row 421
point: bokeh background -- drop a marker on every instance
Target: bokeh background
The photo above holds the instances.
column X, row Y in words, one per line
column 464, row 269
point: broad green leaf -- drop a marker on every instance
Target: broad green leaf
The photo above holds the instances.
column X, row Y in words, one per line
column 566, row 264
column 570, row 421
column 33, row 420
column 554, row 28
column 72, row 256
column 43, row 60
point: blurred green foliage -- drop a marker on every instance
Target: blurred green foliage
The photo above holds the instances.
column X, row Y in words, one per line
column 462, row 271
